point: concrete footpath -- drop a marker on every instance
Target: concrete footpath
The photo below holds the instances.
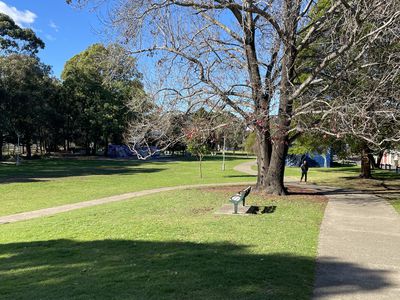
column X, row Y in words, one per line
column 359, row 246
column 73, row 206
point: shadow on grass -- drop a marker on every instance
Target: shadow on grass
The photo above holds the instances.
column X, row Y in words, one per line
column 124, row 269
column 377, row 174
column 47, row 169
column 385, row 175
column 340, row 169
column 241, row 176
column 47, row 174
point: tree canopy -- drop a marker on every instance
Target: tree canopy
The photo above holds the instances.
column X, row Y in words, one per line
column 103, row 85
column 253, row 58
column 14, row 39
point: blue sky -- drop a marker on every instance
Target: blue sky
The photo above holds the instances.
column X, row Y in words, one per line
column 65, row 30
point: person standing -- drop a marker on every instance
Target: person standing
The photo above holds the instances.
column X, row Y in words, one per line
column 304, row 170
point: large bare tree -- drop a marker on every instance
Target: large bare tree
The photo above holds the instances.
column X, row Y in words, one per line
column 252, row 57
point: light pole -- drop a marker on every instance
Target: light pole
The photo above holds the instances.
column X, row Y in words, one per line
column 223, row 156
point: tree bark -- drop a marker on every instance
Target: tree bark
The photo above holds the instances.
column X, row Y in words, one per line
column 1, row 145
column 28, row 149
column 200, row 166
column 264, row 151
column 365, row 163
column 94, row 150
column 379, row 158
column 372, row 161
column 276, row 172
column 106, row 146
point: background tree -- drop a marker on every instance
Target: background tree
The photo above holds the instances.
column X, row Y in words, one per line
column 103, row 83
column 14, row 39
column 26, row 85
column 361, row 106
column 246, row 56
column 199, row 138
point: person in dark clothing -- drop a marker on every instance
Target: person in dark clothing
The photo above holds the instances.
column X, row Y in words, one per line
column 304, row 170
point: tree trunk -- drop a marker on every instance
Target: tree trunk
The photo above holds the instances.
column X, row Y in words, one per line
column 87, row 147
column 94, row 150
column 372, row 161
column 106, row 146
column 280, row 138
column 28, row 149
column 379, row 158
column 1, row 145
column 276, row 172
column 264, row 149
column 200, row 167
column 365, row 163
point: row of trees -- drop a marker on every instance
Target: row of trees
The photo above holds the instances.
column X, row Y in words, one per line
column 98, row 96
column 286, row 67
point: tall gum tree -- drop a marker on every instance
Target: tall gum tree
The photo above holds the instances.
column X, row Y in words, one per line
column 13, row 40
column 245, row 56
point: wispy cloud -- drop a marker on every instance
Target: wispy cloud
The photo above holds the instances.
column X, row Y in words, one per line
column 22, row 18
column 54, row 26
column 50, row 37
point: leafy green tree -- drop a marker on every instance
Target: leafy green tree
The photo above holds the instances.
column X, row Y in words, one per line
column 198, row 145
column 250, row 143
column 25, row 83
column 14, row 39
column 102, row 83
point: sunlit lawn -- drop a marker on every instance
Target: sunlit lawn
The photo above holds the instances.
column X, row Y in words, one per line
column 51, row 182
column 165, row 246
column 385, row 183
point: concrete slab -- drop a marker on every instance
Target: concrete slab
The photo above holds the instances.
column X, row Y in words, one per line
column 227, row 209
column 359, row 249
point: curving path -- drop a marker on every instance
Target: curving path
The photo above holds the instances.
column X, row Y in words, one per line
column 246, row 168
column 73, row 206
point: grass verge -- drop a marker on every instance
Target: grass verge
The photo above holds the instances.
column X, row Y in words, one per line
column 385, row 183
column 165, row 246
column 51, row 182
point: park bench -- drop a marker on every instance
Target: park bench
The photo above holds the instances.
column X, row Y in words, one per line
column 240, row 197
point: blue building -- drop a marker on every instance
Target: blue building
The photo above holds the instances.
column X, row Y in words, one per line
column 323, row 160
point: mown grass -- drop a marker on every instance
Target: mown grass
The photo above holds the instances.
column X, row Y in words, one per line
column 166, row 246
column 395, row 203
column 384, row 183
column 51, row 182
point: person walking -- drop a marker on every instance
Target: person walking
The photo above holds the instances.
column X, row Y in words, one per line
column 304, row 170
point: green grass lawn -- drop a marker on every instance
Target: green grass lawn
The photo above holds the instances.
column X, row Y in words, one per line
column 51, row 182
column 396, row 204
column 384, row 183
column 165, row 246
column 322, row 175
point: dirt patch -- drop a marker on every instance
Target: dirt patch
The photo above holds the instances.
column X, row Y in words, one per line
column 201, row 210
column 225, row 189
column 295, row 194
